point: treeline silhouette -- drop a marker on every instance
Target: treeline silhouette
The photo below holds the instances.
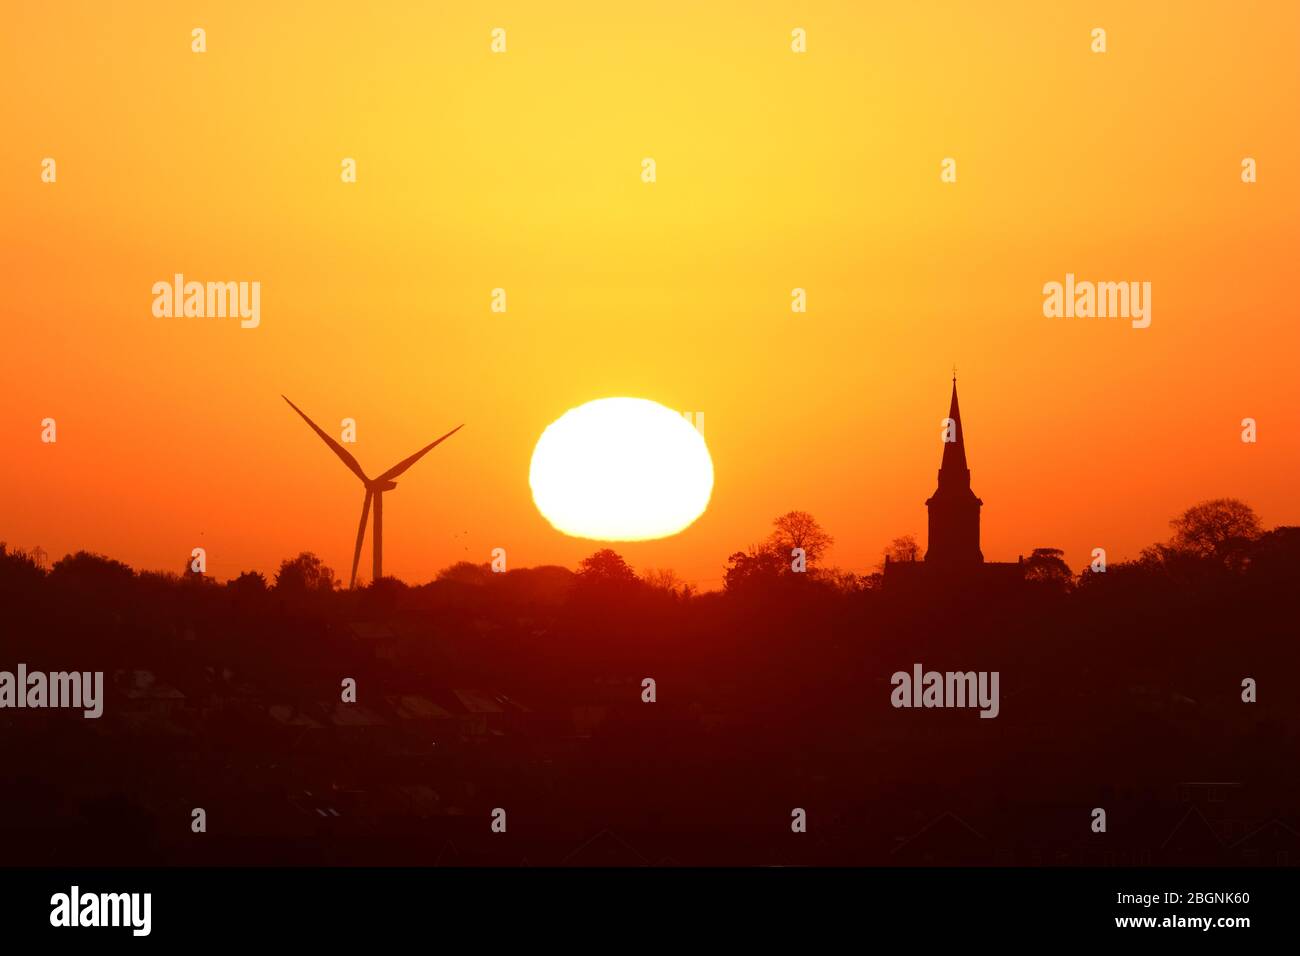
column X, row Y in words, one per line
column 525, row 690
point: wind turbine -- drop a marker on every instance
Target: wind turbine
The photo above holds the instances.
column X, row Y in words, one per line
column 375, row 488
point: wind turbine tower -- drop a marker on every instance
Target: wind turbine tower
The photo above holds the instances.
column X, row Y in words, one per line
column 375, row 488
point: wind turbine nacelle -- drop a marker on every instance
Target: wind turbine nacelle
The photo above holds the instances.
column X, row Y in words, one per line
column 383, row 486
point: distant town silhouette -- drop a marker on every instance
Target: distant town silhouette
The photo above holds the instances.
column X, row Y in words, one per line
column 1121, row 688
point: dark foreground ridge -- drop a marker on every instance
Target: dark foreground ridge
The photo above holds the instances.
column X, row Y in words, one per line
column 524, row 692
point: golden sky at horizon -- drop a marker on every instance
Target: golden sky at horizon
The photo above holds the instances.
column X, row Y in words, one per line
column 521, row 170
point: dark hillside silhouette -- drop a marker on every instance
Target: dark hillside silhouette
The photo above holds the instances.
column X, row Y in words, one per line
column 523, row 689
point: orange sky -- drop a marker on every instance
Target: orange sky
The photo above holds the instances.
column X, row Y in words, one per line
column 522, row 170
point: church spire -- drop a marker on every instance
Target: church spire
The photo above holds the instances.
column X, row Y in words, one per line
column 953, row 470
column 954, row 508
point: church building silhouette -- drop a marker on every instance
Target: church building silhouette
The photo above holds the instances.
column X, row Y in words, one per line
column 953, row 546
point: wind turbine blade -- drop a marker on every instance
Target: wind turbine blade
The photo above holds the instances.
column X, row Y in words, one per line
column 335, row 446
column 361, row 536
column 401, row 466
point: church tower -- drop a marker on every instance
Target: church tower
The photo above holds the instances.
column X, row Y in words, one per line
column 954, row 509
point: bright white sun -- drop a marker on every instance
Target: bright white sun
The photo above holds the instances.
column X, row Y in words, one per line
column 621, row 469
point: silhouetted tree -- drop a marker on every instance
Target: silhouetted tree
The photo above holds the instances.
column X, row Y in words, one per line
column 799, row 529
column 663, row 579
column 304, row 573
column 91, row 570
column 1046, row 566
column 605, row 591
column 190, row 576
column 381, row 597
column 1275, row 556
column 467, row 572
column 1212, row 536
column 1222, row 528
column 840, row 580
column 248, row 582
column 903, row 549
column 19, row 570
column 755, row 568
column 606, row 566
